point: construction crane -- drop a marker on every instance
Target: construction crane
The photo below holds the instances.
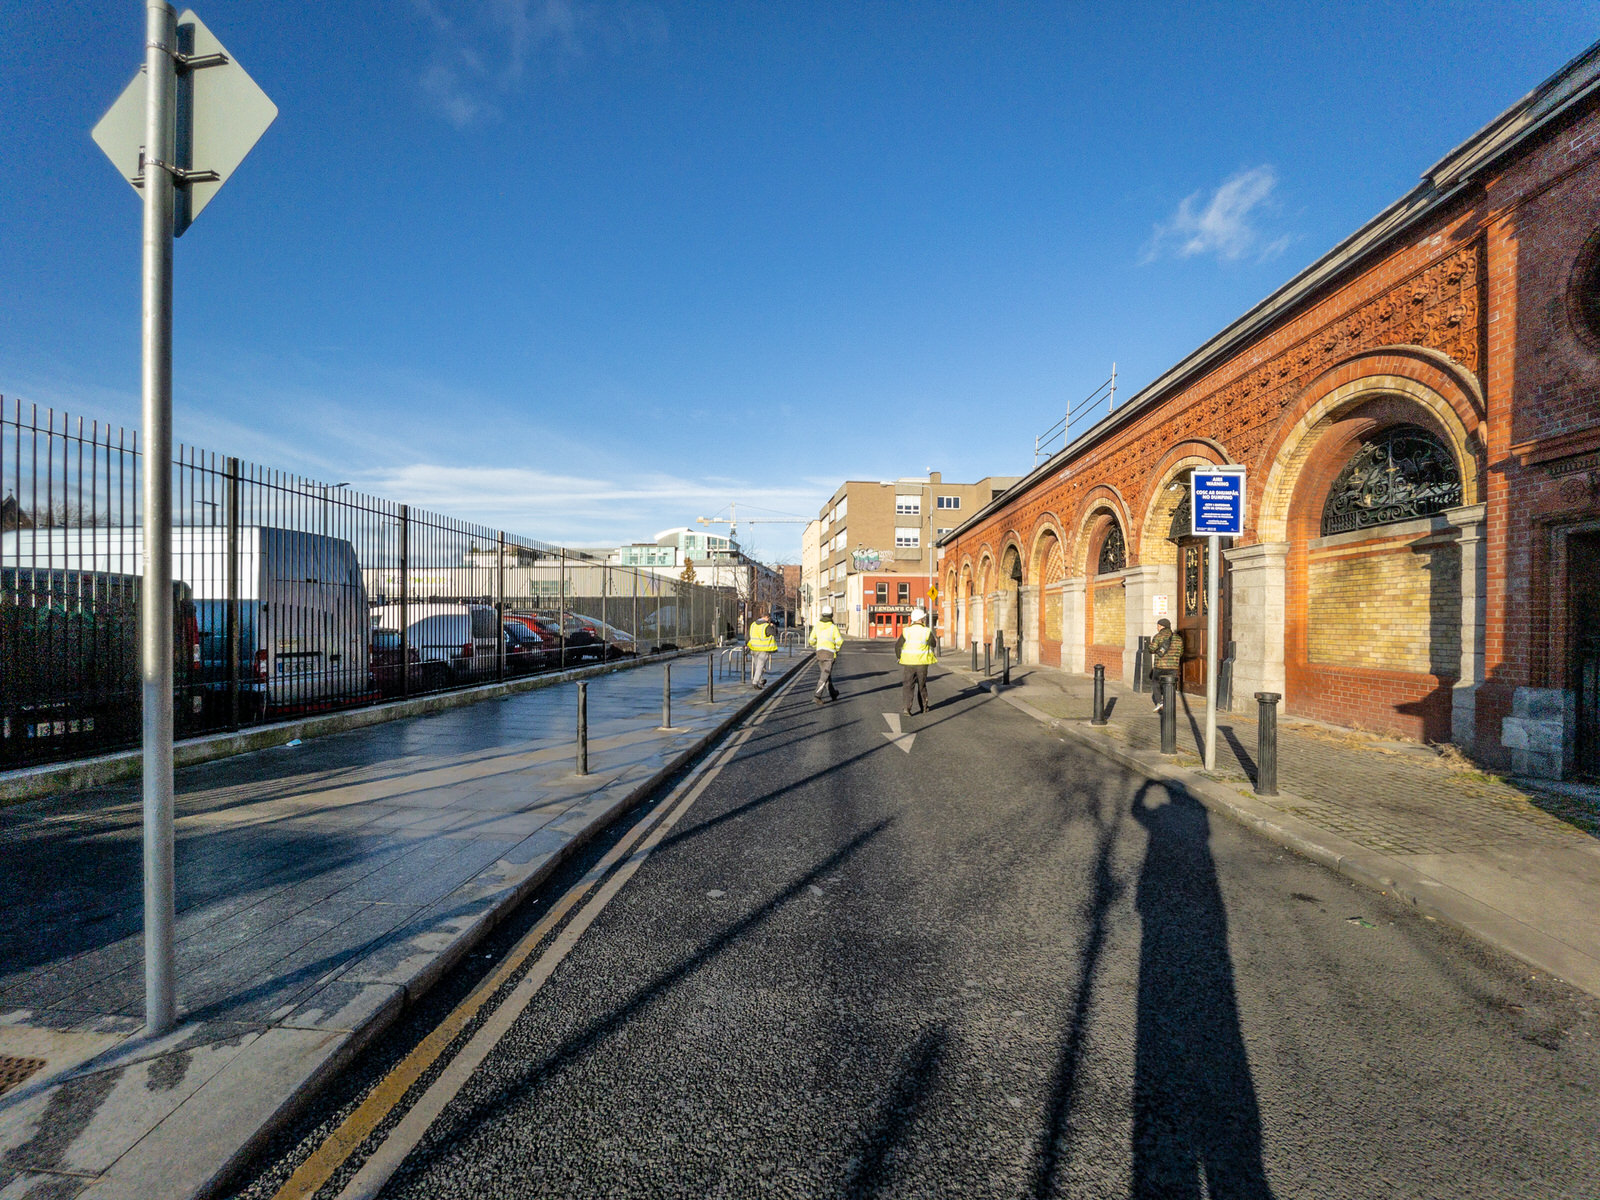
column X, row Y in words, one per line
column 732, row 522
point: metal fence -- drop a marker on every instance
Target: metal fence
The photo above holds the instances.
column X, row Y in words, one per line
column 290, row 595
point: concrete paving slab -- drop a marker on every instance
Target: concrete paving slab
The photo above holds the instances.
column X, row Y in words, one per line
column 321, row 892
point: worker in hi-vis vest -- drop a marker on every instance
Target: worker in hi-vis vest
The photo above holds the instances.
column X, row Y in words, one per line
column 826, row 639
column 762, row 643
column 917, row 651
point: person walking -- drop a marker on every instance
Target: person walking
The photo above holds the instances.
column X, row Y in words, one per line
column 917, row 651
column 762, row 643
column 1166, row 650
column 827, row 640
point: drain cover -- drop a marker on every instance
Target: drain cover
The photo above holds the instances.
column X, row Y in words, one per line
column 15, row 1070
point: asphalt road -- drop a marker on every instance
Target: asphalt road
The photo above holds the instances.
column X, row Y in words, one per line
column 985, row 962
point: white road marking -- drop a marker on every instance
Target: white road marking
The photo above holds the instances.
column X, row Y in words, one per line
column 388, row 1157
column 903, row 740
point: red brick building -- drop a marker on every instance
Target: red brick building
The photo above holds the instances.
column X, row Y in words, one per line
column 887, row 601
column 1419, row 416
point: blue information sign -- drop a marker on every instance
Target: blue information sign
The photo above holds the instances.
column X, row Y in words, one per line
column 1218, row 502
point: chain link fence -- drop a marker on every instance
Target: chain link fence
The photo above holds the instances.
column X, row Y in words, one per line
column 290, row 595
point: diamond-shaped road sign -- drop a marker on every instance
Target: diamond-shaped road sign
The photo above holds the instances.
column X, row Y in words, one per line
column 221, row 116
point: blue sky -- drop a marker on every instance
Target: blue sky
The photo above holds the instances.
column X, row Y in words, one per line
column 587, row 270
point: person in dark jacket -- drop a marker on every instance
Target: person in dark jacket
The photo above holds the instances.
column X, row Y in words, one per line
column 1166, row 650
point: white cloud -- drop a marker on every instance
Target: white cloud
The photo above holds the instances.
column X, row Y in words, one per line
column 1227, row 224
column 486, row 49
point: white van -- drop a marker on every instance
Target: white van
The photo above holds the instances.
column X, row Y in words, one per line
column 463, row 639
column 302, row 603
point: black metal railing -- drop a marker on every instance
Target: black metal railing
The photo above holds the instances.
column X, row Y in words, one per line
column 290, row 595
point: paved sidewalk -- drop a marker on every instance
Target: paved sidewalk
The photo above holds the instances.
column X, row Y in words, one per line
column 321, row 888
column 1513, row 862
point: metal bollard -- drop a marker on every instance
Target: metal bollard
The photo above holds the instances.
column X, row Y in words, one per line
column 1098, row 715
column 666, row 698
column 1169, row 712
column 974, row 655
column 987, row 648
column 1267, row 743
column 1005, row 665
column 711, row 672
column 583, row 728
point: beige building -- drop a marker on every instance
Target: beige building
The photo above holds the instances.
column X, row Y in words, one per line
column 874, row 528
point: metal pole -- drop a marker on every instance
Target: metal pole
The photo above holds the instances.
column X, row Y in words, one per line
column 666, row 698
column 1267, row 743
column 405, row 595
column 974, row 655
column 160, row 973
column 1213, row 572
column 1005, row 665
column 1098, row 716
column 583, row 727
column 1169, row 711
column 500, row 607
column 711, row 682
column 233, row 631
column 988, row 647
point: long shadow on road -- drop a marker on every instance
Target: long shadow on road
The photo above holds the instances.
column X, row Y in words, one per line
column 1196, row 1124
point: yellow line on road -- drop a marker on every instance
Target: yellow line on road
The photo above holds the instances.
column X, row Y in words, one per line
column 355, row 1129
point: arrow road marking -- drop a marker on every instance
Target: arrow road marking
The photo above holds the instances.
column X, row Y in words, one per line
column 903, row 740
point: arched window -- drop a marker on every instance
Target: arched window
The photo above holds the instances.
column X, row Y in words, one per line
column 1395, row 475
column 1586, row 290
column 1113, row 551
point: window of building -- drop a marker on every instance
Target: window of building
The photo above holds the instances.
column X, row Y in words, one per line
column 1586, row 290
column 902, row 593
column 907, row 538
column 942, row 532
column 883, row 593
column 1113, row 552
column 907, row 506
column 949, row 501
column 1396, row 475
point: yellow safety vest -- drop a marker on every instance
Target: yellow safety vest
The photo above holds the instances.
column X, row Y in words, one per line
column 918, row 648
column 825, row 635
column 761, row 638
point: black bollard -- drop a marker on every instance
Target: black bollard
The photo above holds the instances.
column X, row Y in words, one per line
column 583, row 728
column 1169, row 712
column 1267, row 744
column 1098, row 715
column 666, row 698
column 1005, row 665
column 987, row 647
column 711, row 682
column 974, row 656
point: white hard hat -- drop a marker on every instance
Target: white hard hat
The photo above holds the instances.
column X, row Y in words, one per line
column 919, row 614
column 827, row 610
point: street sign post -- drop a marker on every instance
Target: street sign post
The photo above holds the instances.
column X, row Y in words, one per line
column 1216, row 506
column 176, row 133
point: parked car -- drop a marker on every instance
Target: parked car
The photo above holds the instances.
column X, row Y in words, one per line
column 455, row 643
column 581, row 640
column 527, row 648
column 619, row 643
column 385, row 659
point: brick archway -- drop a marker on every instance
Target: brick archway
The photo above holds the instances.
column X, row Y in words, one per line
column 1372, row 617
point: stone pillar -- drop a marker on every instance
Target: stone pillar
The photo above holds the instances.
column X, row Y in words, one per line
column 1257, row 580
column 1074, row 626
column 1474, row 596
column 1139, row 584
column 1542, row 732
column 1029, row 647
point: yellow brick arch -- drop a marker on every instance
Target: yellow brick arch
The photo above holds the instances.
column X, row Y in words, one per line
column 1428, row 407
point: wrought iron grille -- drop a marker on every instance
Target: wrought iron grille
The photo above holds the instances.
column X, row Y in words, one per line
column 1403, row 472
column 1113, row 552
